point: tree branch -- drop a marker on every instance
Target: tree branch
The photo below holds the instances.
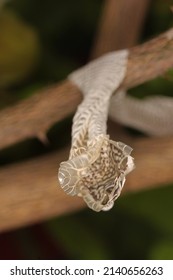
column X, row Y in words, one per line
column 149, row 60
column 29, row 194
column 35, row 115
column 114, row 31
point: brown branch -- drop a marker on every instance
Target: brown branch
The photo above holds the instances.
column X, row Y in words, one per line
column 149, row 60
column 114, row 31
column 33, row 117
column 29, row 194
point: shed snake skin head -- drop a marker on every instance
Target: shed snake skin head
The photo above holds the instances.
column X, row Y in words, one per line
column 97, row 173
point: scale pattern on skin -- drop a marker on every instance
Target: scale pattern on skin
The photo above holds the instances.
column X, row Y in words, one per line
column 97, row 166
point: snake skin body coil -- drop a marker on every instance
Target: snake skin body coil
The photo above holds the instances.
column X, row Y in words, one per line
column 97, row 166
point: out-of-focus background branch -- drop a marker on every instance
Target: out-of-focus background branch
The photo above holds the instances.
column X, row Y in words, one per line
column 28, row 189
column 112, row 29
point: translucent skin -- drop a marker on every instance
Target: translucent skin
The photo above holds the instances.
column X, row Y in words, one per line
column 97, row 174
column 97, row 166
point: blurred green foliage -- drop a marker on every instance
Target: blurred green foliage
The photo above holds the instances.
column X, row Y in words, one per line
column 57, row 38
column 19, row 50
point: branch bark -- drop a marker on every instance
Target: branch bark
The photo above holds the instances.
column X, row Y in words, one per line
column 29, row 194
column 149, row 60
column 33, row 116
column 114, row 31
